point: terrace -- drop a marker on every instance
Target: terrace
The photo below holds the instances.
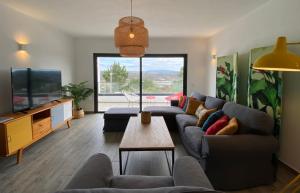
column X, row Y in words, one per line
column 123, row 100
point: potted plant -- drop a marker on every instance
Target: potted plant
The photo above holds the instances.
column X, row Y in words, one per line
column 78, row 92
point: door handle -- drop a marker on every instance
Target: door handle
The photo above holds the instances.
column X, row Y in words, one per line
column 9, row 138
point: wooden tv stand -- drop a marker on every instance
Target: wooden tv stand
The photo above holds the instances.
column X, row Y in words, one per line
column 27, row 127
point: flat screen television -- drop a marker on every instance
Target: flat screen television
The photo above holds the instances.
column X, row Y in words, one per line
column 20, row 86
column 45, row 86
column 34, row 87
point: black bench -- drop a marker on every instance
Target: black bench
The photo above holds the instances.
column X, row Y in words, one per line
column 116, row 119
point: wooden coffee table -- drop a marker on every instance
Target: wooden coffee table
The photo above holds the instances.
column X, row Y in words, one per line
column 146, row 137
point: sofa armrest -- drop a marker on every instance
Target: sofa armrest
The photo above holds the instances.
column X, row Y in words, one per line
column 241, row 146
column 174, row 103
column 188, row 172
column 95, row 173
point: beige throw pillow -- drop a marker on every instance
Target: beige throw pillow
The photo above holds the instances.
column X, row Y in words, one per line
column 202, row 113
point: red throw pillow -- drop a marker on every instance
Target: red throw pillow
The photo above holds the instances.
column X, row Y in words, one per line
column 218, row 125
column 181, row 105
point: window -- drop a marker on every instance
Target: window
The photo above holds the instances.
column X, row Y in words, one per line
column 138, row 82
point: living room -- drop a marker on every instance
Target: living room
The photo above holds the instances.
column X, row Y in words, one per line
column 189, row 41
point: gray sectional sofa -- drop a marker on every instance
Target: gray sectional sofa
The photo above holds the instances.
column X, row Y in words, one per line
column 96, row 176
column 238, row 161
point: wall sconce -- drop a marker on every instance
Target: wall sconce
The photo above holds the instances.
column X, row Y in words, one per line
column 22, row 47
column 22, row 53
column 214, row 56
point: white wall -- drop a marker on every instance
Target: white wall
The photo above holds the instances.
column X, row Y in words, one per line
column 47, row 48
column 196, row 48
column 261, row 28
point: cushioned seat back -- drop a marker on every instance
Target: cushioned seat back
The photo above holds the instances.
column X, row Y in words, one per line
column 198, row 96
column 140, row 182
column 213, row 102
column 250, row 120
column 174, row 189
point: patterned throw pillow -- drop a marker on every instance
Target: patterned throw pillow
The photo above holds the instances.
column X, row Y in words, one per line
column 199, row 109
column 212, row 119
column 231, row 128
column 202, row 113
column 192, row 106
column 182, row 102
column 185, row 104
column 218, row 125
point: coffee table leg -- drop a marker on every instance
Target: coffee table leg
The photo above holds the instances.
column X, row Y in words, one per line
column 126, row 162
column 170, row 165
column 120, row 161
column 173, row 157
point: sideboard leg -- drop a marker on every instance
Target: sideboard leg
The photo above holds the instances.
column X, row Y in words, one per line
column 19, row 156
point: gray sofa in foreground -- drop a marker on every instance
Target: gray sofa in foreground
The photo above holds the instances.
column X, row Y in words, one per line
column 231, row 162
column 96, row 176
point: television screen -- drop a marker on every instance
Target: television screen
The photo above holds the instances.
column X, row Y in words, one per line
column 45, row 86
column 20, row 89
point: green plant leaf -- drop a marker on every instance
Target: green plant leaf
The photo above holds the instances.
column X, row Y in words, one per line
column 220, row 82
column 257, row 85
column 78, row 92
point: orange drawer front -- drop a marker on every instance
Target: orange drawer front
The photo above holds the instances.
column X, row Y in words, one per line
column 41, row 128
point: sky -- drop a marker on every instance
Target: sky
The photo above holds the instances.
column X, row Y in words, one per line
column 149, row 64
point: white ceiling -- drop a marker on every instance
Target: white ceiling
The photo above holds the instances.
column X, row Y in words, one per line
column 163, row 18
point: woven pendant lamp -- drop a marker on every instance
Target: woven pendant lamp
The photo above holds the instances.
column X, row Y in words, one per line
column 131, row 37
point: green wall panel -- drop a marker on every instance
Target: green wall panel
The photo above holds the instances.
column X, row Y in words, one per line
column 227, row 78
column 265, row 88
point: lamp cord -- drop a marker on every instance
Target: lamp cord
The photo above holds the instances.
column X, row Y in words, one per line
column 131, row 10
column 130, row 15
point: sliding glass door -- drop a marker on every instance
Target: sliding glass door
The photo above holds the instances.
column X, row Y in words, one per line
column 162, row 79
column 138, row 82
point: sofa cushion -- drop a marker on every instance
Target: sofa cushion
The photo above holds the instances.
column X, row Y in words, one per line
column 212, row 102
column 121, row 113
column 203, row 113
column 218, row 125
column 193, row 138
column 175, row 189
column 179, row 101
column 250, row 120
column 212, row 118
column 163, row 110
column 192, row 106
column 188, row 172
column 182, row 101
column 229, row 129
column 95, row 173
column 198, row 96
column 186, row 103
column 184, row 120
column 139, row 182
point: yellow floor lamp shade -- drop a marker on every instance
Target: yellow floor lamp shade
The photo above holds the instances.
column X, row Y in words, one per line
column 280, row 59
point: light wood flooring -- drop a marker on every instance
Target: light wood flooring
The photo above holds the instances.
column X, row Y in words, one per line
column 49, row 164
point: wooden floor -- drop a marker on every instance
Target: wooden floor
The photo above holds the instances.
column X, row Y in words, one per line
column 49, row 164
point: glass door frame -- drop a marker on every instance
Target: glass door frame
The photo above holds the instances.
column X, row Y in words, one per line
column 96, row 55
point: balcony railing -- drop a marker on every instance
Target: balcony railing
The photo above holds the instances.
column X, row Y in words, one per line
column 106, row 101
column 114, row 95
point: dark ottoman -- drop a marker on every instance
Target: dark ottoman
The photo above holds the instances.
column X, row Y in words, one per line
column 116, row 119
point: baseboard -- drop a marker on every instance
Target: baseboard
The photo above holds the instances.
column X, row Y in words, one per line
column 89, row 112
column 290, row 169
